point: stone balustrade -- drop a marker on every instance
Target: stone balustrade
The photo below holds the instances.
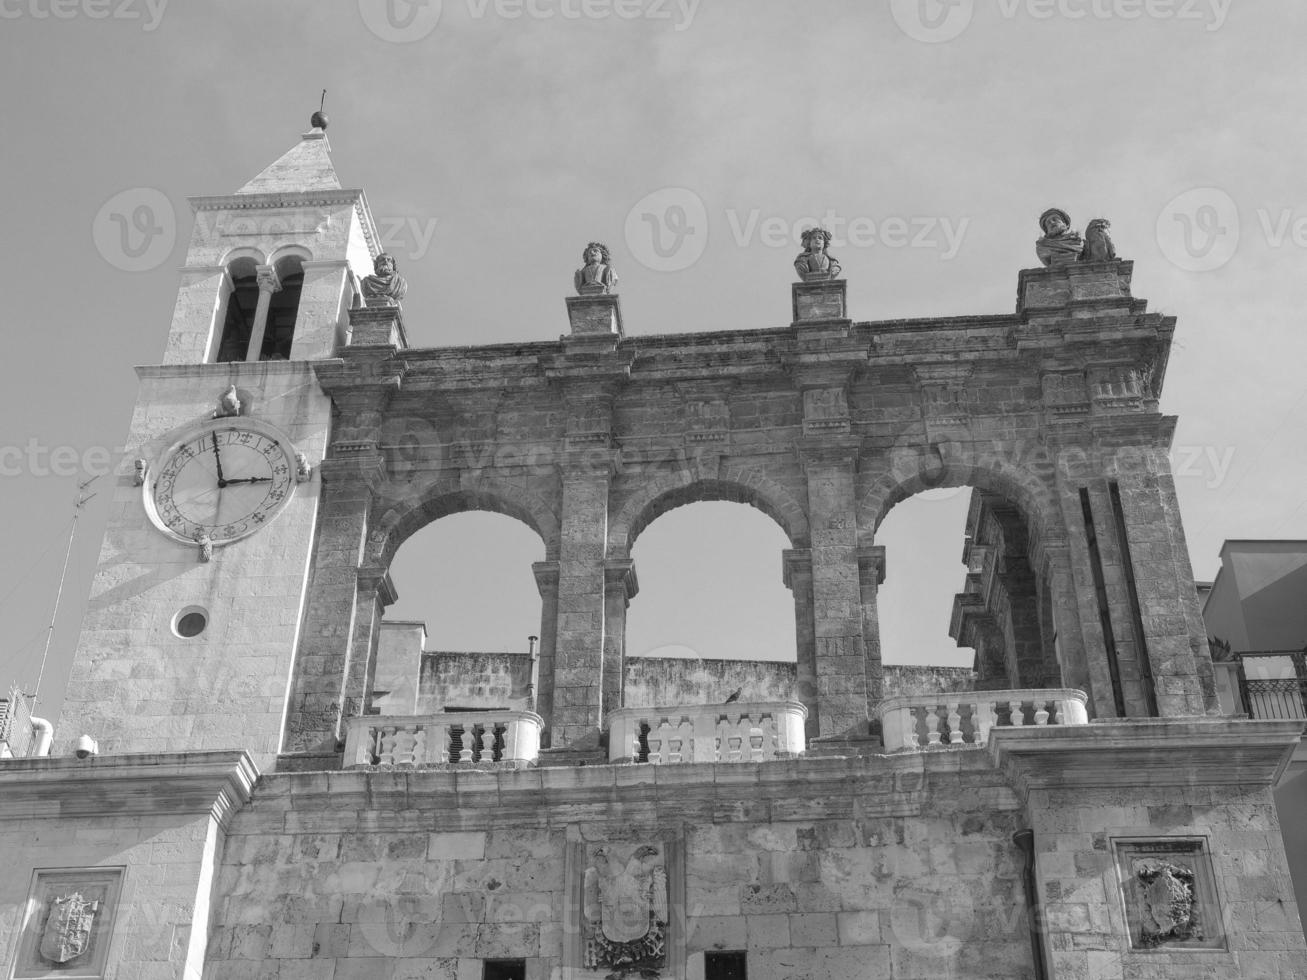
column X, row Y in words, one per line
column 737, row 732
column 926, row 721
column 507, row 738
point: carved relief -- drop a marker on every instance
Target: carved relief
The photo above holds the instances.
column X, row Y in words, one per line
column 1169, row 892
column 1168, row 906
column 625, row 910
column 69, row 920
column 1065, row 393
column 825, row 408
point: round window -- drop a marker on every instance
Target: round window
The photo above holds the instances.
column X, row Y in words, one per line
column 190, row 622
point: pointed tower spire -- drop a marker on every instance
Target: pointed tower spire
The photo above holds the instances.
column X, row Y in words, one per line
column 304, row 167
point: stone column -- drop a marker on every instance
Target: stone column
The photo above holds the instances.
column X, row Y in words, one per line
column 579, row 647
column 546, row 573
column 796, row 566
column 269, row 283
column 871, row 575
column 374, row 593
column 841, row 659
column 327, row 637
column 620, row 587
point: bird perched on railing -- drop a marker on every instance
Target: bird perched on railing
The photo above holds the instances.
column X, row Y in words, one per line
column 734, row 695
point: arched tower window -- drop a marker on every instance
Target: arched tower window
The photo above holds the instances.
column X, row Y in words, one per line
column 283, row 309
column 242, row 306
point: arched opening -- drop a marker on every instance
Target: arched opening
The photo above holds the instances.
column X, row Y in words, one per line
column 455, row 639
column 712, row 616
column 283, row 308
column 965, row 604
column 242, row 305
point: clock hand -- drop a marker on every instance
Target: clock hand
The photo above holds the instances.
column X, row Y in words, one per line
column 217, row 458
column 248, row 479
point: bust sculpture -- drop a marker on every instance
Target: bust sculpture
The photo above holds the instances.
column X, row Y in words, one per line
column 385, row 287
column 596, row 276
column 814, row 262
column 1059, row 245
column 1098, row 242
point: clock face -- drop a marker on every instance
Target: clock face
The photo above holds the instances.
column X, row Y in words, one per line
column 225, row 480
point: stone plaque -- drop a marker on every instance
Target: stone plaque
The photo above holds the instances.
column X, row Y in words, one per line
column 68, row 923
column 1168, row 891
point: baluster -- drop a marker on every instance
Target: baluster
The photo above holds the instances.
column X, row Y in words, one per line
column 764, row 740
column 403, row 753
column 487, row 753
column 466, row 736
column 686, row 732
column 982, row 720
column 1041, row 712
column 655, row 741
column 386, row 746
column 1018, row 713
column 420, row 747
column 932, row 725
column 954, row 723
column 720, row 740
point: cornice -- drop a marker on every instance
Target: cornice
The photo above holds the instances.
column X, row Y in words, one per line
column 134, row 784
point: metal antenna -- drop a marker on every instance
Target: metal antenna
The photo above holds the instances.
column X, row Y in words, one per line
column 83, row 498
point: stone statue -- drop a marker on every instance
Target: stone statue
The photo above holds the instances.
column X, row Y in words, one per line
column 1060, row 245
column 1167, row 912
column 303, row 468
column 229, row 405
column 1098, row 243
column 814, row 262
column 206, row 546
column 385, row 287
column 139, row 466
column 625, row 911
column 597, row 275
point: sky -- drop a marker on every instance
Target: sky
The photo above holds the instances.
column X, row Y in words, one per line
column 495, row 137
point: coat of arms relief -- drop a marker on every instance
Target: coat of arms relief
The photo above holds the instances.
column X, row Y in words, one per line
column 625, row 910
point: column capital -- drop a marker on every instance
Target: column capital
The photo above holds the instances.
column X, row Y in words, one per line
column 871, row 564
column 359, row 463
column 619, row 576
column 795, row 562
column 269, row 281
column 546, row 573
column 376, row 578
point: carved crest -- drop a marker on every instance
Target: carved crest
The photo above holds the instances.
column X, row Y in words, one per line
column 68, row 928
column 1168, row 909
column 625, row 910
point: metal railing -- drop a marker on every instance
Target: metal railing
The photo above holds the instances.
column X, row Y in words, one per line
column 1273, row 683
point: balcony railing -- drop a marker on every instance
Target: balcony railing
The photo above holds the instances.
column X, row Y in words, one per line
column 927, row 721
column 1273, row 683
column 738, row 732
column 509, row 738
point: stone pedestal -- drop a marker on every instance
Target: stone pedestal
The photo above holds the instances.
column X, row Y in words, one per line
column 1086, row 287
column 377, row 326
column 819, row 300
column 595, row 316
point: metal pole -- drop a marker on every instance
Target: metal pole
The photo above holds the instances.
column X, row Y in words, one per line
column 82, row 499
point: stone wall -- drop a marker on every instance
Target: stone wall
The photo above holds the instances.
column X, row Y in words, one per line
column 449, row 681
column 901, row 679
column 664, row 681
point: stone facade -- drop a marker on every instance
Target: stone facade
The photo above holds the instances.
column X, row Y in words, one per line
column 281, row 795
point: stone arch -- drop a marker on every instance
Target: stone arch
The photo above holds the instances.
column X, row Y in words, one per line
column 397, row 521
column 930, row 469
column 677, row 490
column 242, row 252
column 284, row 252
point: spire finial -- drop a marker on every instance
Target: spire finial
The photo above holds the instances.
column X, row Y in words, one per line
column 319, row 119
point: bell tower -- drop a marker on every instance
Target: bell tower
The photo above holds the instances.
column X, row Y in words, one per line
column 195, row 610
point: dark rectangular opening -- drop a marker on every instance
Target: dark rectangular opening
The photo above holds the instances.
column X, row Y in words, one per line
column 725, row 966
column 1105, row 617
column 504, row 970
